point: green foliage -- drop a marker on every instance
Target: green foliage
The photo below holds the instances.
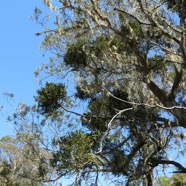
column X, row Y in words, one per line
column 175, row 180
column 82, row 94
column 75, row 56
column 73, row 152
column 101, row 44
column 20, row 164
column 7, row 177
column 80, row 54
column 117, row 163
column 156, row 63
column 102, row 109
column 178, row 7
column 132, row 29
column 175, row 5
column 50, row 98
column 5, row 169
column 163, row 181
column 179, row 179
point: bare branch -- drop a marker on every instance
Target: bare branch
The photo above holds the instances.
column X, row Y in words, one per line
column 156, row 162
column 109, row 127
column 145, row 104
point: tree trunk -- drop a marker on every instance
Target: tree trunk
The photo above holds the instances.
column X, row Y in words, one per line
column 148, row 179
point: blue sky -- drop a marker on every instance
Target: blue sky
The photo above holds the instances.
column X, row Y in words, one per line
column 20, row 54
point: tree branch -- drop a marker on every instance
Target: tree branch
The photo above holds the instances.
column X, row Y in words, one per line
column 156, row 162
column 177, row 80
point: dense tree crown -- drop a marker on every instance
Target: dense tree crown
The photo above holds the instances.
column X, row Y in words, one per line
column 118, row 105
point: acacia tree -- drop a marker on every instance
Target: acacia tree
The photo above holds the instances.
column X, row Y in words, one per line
column 127, row 62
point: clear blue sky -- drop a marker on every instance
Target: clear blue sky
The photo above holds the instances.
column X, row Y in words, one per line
column 19, row 52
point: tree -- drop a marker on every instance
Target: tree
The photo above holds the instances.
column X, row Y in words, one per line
column 175, row 180
column 21, row 165
column 127, row 61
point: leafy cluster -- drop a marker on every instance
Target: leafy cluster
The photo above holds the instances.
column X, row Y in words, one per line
column 75, row 56
column 175, row 180
column 74, row 152
column 50, row 98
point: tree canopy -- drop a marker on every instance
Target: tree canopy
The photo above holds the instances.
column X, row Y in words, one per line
column 22, row 161
column 175, row 180
column 117, row 105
